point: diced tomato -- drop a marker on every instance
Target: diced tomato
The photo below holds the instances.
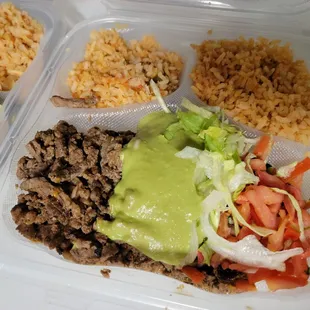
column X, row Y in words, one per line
column 244, row 286
column 289, row 207
column 280, row 280
column 268, row 195
column 270, row 180
column 261, row 274
column 285, row 282
column 275, row 207
column 224, row 230
column 225, row 264
column 287, row 244
column 289, row 268
column 307, row 205
column 282, row 214
column 240, row 267
column 200, row 258
column 194, row 274
column 263, row 147
column 306, row 254
column 216, row 260
column 262, row 211
column 241, row 199
column 245, row 211
column 258, row 164
column 255, row 219
column 300, row 266
column 296, row 192
column 275, row 241
column 306, row 218
column 232, row 239
column 245, row 231
column 297, row 181
column 299, row 169
column 291, row 234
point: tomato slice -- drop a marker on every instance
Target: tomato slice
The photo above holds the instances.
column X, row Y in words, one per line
column 194, row 274
column 307, row 205
column 306, row 218
column 223, row 229
column 289, row 207
column 245, row 211
column 216, row 260
column 262, row 211
column 200, row 258
column 232, row 239
column 261, row 274
column 297, row 181
column 268, row 195
column 299, row 169
column 241, row 199
column 240, row 267
column 275, row 207
column 285, row 282
column 263, row 147
column 255, row 219
column 275, row 241
column 300, row 266
column 291, row 234
column 244, row 286
column 245, row 231
column 296, row 192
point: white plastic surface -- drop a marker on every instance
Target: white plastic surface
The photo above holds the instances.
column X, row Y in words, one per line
column 63, row 285
column 54, row 30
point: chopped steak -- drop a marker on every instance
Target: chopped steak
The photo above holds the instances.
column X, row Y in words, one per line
column 105, row 273
column 73, row 102
column 69, row 180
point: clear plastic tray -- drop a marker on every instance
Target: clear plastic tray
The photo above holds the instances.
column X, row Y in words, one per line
column 128, row 289
column 54, row 30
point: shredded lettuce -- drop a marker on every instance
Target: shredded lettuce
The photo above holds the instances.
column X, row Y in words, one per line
column 241, row 177
column 248, row 251
column 216, row 173
column 191, row 121
column 298, row 211
column 194, row 108
column 172, row 130
column 159, row 97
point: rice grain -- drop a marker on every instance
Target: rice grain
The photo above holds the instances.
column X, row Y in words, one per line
column 257, row 82
column 118, row 73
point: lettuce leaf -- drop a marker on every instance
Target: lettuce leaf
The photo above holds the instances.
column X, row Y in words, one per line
column 191, row 121
column 248, row 251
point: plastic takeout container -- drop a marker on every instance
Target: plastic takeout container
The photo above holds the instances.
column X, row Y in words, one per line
column 176, row 26
column 54, row 29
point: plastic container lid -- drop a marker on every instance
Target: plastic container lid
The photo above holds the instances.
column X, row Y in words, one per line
column 263, row 6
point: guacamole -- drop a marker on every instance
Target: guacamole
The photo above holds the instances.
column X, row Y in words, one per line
column 155, row 207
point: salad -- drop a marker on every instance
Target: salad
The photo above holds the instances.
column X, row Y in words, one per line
column 243, row 215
